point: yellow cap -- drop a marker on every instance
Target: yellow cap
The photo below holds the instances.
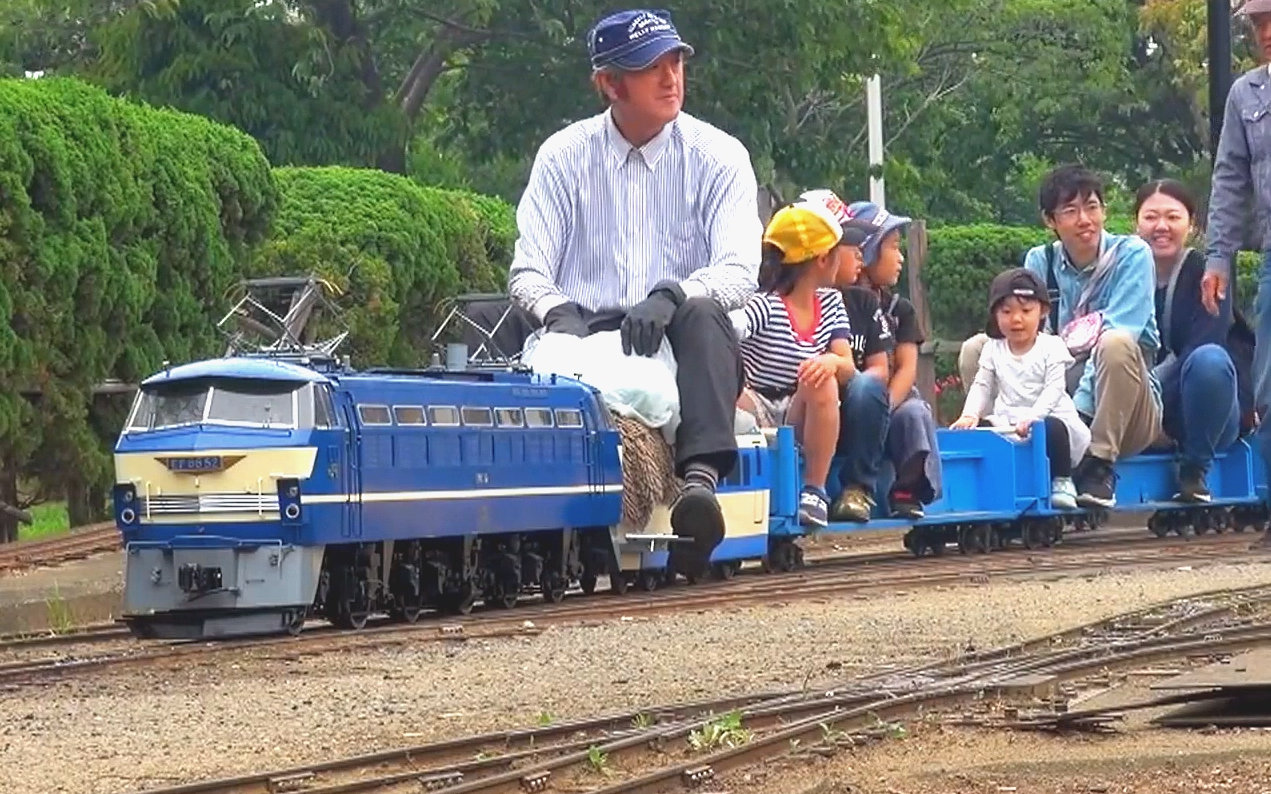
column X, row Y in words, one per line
column 803, row 231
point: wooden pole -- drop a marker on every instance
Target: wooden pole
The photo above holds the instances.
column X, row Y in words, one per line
column 917, row 248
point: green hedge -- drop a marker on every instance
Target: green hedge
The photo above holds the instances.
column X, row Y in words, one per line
column 962, row 260
column 121, row 226
column 397, row 249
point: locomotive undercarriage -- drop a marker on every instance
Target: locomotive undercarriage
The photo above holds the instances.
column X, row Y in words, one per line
column 403, row 579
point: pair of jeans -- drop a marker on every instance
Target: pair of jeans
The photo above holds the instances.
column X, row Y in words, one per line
column 1202, row 409
column 1261, row 370
column 864, row 419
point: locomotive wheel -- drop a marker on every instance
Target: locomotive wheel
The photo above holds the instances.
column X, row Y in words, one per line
column 1034, row 535
column 911, row 544
column 784, row 557
column 297, row 622
column 648, row 581
column 618, row 583
column 1158, row 525
column 553, row 587
column 407, row 614
column 460, row 602
column 980, row 538
column 725, row 570
column 935, row 544
column 588, row 582
column 349, row 617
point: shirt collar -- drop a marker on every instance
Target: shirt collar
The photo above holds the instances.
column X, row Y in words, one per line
column 620, row 148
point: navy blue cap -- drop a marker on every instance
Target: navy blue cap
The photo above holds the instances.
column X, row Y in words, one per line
column 633, row 40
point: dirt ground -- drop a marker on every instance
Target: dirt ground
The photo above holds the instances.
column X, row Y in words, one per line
column 74, row 593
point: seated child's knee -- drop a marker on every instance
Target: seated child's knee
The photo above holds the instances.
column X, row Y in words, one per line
column 824, row 394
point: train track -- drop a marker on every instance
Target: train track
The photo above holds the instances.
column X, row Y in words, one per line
column 78, row 544
column 823, row 578
column 687, row 745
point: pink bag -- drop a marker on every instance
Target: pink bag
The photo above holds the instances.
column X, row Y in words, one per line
column 1082, row 333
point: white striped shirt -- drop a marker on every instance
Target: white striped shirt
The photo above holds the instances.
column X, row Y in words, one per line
column 601, row 222
column 771, row 349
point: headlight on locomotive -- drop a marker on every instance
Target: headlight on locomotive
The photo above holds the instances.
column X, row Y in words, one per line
column 126, row 505
column 289, row 500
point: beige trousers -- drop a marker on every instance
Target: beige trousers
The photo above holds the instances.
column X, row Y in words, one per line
column 1126, row 418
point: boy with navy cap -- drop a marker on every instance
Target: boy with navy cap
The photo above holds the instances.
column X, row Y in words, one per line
column 645, row 219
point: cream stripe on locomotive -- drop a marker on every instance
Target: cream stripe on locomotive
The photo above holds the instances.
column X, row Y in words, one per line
column 474, row 493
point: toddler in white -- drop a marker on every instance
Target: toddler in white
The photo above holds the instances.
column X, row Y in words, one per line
column 1022, row 379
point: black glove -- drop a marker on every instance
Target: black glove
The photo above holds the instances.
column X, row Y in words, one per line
column 645, row 325
column 566, row 318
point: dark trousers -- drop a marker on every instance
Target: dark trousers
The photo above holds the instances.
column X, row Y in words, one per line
column 708, row 369
column 1058, row 450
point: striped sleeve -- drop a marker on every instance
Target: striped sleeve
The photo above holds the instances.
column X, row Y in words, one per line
column 834, row 315
column 753, row 317
column 543, row 220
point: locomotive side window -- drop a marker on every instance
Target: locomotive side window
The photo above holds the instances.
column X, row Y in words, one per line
column 569, row 417
column 408, row 414
column 374, row 414
column 478, row 417
column 443, row 415
column 323, row 407
column 509, row 417
column 538, row 417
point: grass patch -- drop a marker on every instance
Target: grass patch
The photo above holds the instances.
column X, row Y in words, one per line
column 50, row 519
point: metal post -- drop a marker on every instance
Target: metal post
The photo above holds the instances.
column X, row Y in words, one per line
column 1219, row 35
column 874, row 112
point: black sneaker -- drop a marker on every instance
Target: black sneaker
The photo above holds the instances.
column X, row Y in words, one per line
column 904, row 504
column 1096, row 483
column 1191, row 485
column 696, row 514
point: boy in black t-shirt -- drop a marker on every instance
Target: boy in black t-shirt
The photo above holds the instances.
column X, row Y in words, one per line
column 911, row 438
column 864, row 408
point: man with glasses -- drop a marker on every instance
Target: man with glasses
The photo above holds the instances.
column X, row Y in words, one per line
column 1102, row 301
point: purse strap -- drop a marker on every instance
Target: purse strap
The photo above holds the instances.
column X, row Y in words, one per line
column 1168, row 314
column 1096, row 279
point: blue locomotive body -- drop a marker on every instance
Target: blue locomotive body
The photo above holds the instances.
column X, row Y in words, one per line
column 253, row 492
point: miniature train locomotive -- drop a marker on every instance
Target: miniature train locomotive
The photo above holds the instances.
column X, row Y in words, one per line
column 255, row 491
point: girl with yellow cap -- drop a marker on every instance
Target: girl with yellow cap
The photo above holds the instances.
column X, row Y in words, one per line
column 795, row 342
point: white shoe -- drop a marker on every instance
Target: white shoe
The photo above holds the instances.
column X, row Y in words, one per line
column 1063, row 494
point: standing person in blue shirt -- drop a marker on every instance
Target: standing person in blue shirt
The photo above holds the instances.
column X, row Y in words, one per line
column 911, row 435
column 1103, row 305
column 1202, row 396
column 1240, row 204
column 644, row 219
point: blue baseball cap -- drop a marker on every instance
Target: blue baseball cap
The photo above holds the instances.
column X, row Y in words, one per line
column 633, row 40
column 885, row 221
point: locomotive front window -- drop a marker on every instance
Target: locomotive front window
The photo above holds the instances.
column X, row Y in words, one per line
column 251, row 403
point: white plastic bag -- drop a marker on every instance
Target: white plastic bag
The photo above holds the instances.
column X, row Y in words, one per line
column 636, row 386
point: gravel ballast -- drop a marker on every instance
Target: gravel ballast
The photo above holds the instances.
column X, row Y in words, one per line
column 127, row 729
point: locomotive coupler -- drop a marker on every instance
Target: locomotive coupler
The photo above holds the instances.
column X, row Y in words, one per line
column 193, row 578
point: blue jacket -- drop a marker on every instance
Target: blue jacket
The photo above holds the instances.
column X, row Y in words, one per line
column 1127, row 299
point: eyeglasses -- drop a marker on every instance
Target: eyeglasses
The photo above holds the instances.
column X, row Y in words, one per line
column 1093, row 209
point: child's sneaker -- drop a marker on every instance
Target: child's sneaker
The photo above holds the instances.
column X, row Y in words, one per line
column 1063, row 494
column 814, row 508
column 854, row 504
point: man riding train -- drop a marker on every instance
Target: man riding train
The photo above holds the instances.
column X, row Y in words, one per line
column 644, row 219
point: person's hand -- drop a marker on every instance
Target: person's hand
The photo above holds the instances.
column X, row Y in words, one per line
column 1213, row 290
column 814, row 371
column 566, row 318
column 1022, row 429
column 965, row 422
column 645, row 325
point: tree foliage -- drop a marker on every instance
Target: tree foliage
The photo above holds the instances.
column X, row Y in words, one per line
column 120, row 228
column 396, row 249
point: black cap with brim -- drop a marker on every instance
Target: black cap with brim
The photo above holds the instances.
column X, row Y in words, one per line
column 1016, row 282
column 856, row 232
